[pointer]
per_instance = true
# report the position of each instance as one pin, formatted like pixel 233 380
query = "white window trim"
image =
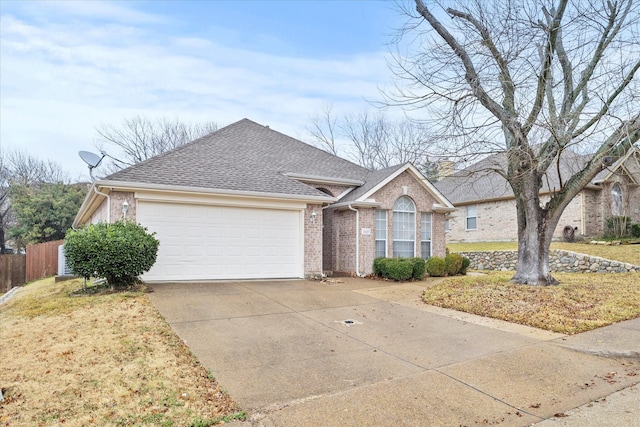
pixel 414 240
pixel 386 233
pixel 467 217
pixel 430 233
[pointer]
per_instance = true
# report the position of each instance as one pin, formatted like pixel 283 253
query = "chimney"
pixel 445 169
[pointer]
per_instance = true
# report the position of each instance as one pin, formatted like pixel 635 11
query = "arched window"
pixel 617 207
pixel 404 228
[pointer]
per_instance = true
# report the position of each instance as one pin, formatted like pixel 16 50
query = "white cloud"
pixel 63 78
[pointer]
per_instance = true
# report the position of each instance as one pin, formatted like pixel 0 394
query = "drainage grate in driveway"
pixel 348 322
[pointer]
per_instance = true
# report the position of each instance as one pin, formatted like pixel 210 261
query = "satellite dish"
pixel 91 159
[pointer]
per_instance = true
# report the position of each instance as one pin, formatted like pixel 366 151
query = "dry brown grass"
pixel 623 253
pixel 99 360
pixel 582 302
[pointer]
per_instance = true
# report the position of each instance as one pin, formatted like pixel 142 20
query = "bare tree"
pixel 139 138
pixel 534 79
pixel 372 140
pixel 324 129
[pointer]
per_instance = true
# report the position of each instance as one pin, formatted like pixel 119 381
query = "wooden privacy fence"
pixel 42 260
pixel 12 271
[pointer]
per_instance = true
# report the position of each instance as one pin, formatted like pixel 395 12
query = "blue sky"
pixel 69 67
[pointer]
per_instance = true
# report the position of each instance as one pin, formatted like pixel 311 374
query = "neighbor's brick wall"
pixel 312 241
pixel 593 213
pixel 496 221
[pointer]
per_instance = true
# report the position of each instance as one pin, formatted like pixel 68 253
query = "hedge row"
pixel 402 269
pixel 399 269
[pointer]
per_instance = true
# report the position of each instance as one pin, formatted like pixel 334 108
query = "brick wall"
pixel 497 221
pixel 313 241
pixel 117 199
pixel 340 233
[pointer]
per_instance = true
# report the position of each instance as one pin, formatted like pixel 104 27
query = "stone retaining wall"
pixel 559 260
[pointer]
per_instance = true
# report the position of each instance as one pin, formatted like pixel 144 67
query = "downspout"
pixel 108 203
pixel 357 240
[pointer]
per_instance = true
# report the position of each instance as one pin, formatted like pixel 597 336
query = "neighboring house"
pixel 248 202
pixel 486 208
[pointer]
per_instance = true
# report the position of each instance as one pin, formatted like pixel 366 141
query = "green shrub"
pixel 379 266
pixel 419 267
pixel 436 267
pixel 453 264
pixel 466 262
pixel 400 269
pixel 119 252
pixel 635 230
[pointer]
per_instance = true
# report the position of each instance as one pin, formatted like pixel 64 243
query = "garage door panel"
pixel 199 242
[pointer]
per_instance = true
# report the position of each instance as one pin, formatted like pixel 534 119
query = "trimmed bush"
pixel 635 230
pixel 419 267
pixel 400 269
pixel 120 252
pixel 466 262
pixel 453 264
pixel 436 267
pixel 379 266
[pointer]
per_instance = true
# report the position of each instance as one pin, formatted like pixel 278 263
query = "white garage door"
pixel 199 242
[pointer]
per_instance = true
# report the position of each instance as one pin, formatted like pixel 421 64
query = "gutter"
pixel 357 240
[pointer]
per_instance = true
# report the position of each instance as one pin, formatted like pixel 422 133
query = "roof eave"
pixel 137 186
pixel 324 179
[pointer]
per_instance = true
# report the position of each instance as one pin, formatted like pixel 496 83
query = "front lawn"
pixel 580 303
pixel 623 253
pixel 106 359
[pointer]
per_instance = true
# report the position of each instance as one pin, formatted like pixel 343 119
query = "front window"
pixel 617 208
pixel 471 217
pixel 425 235
pixel 404 228
pixel 381 233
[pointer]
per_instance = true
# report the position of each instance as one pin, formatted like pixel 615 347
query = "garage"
pixel 208 242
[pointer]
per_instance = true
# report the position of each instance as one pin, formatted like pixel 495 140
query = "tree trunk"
pixel 535 231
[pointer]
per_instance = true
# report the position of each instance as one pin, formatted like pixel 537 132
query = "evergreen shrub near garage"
pixel 120 252
pixel 635 230
pixel 399 269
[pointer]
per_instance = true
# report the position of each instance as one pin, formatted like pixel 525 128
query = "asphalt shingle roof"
pixel 244 156
pixel 480 181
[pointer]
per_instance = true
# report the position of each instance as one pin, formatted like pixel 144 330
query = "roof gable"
pixel 378 179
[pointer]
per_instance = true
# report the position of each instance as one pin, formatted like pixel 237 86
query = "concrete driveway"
pixel 355 352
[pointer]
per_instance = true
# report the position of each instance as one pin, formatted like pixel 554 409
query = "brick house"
pixel 486 208
pixel 247 202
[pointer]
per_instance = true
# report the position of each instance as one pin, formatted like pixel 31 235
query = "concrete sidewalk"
pixel 363 353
